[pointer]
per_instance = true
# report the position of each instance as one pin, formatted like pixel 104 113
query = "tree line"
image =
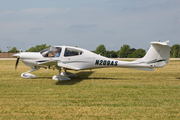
pixel 125 51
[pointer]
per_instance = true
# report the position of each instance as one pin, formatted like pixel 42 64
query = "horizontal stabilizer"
pixel 148 69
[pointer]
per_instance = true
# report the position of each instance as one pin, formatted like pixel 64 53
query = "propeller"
pixel 17 61
pixel 18 57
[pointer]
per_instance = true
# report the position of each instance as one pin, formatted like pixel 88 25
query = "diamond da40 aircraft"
pixel 73 58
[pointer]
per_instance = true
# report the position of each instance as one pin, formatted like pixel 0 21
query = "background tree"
pixel 111 54
pixel 0 50
pixel 175 51
pixel 139 53
pixel 13 50
pixel 100 50
pixel 124 51
pixel 38 48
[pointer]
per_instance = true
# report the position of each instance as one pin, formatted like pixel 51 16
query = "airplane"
pixel 73 58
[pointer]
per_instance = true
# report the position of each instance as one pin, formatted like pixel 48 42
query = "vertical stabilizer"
pixel 157 55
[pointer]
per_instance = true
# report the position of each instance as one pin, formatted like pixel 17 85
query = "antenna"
pixel 20 50
pixel 22 46
pixel 102 51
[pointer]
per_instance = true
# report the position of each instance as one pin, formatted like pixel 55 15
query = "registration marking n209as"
pixel 106 62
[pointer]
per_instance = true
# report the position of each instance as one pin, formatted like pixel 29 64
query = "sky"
pixel 87 24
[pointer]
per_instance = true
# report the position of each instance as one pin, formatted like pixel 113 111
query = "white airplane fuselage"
pixel 87 60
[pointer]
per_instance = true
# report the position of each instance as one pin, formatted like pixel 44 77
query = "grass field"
pixel 112 93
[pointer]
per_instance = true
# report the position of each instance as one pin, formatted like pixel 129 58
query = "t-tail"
pixel 157 56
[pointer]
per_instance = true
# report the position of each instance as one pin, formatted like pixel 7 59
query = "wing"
pixel 57 63
pixel 48 63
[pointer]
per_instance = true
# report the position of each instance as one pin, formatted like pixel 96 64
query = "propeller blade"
pixel 17 61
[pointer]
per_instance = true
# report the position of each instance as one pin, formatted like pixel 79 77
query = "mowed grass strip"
pixel 108 93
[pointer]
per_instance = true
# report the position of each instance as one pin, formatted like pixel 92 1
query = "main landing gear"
pixel 63 76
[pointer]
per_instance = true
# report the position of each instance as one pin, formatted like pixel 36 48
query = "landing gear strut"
pixel 63 76
pixel 28 75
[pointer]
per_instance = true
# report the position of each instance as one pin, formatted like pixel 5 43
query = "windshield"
pixel 51 52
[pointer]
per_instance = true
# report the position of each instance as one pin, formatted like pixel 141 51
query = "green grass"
pixel 109 93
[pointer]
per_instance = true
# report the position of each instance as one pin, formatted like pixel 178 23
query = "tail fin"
pixel 157 55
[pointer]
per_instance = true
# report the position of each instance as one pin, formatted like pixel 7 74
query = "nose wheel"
pixel 28 75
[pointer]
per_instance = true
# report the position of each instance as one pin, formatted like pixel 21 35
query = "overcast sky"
pixel 87 24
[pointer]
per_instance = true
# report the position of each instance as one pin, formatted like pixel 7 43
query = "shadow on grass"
pixel 74 80
pixel 84 76
pixel 44 77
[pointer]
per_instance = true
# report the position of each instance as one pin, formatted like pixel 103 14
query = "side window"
pixel 72 52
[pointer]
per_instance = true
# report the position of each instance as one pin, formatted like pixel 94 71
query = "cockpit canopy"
pixel 56 51
pixel 51 52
